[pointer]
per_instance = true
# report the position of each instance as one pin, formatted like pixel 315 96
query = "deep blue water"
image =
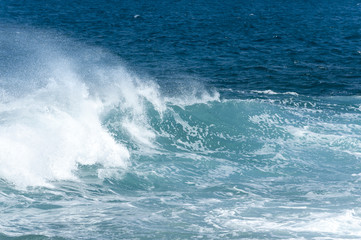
pixel 180 119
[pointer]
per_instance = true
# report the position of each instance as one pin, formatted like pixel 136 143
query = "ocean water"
pixel 180 119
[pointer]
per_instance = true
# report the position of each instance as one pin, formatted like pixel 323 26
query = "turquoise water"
pixel 180 120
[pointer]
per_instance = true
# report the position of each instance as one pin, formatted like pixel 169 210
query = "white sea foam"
pixel 338 136
pixel 46 133
pixel 51 110
pixel 270 92
pixel 318 223
pixel 52 103
pixel 193 97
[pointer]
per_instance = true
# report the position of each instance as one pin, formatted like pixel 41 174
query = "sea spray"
pixel 51 118
pixel 47 132
pixel 70 105
pixel 90 149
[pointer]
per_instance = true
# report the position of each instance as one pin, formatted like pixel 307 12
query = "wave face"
pixel 90 150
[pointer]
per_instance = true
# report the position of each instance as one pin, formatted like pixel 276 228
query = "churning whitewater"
pixel 91 150
pixel 59 111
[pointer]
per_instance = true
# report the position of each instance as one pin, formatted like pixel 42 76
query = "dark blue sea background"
pixel 180 119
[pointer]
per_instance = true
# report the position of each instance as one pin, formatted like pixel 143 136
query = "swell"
pixel 56 96
pixel 71 106
pixel 112 150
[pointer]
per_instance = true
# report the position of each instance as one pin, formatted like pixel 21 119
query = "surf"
pixel 84 137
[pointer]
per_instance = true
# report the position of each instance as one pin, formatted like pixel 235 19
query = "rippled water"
pixel 180 120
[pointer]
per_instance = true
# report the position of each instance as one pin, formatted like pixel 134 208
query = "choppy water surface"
pixel 180 120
